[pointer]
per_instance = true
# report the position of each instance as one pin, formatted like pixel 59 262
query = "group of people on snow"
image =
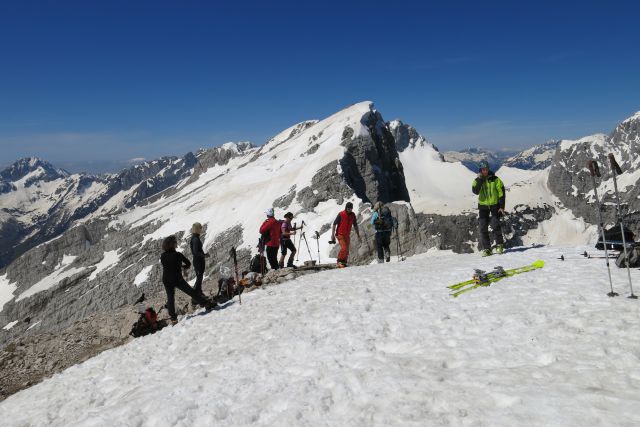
pixel 277 235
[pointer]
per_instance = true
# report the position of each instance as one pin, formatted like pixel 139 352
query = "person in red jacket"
pixel 342 231
pixel 270 233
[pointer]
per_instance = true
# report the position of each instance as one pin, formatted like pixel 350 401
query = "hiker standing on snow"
pixel 270 231
pixel 172 264
pixel 287 230
pixel 198 256
pixel 491 199
pixel 341 230
pixel 384 224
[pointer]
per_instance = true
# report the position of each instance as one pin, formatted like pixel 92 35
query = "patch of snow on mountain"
pixel 10 324
pixel 6 290
pixel 142 276
pixel 109 260
pixel 532 347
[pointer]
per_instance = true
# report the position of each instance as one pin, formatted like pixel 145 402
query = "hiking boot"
pixel 342 264
pixel 499 249
pixel 173 322
pixel 380 261
pixel 388 259
pixel 486 252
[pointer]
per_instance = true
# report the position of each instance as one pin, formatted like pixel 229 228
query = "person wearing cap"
pixel 198 256
pixel 286 231
pixel 491 202
pixel 341 230
pixel 270 233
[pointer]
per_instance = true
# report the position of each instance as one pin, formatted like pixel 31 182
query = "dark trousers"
pixel 383 240
pixel 184 287
pixel 272 256
pixel 198 267
pixel 484 213
pixel 287 244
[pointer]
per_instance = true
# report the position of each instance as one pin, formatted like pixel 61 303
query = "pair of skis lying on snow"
pixel 482 278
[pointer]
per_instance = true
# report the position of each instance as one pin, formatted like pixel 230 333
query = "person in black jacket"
pixel 172 264
pixel 198 256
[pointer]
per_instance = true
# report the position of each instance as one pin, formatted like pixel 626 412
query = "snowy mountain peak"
pixel 534 158
pixel 37 168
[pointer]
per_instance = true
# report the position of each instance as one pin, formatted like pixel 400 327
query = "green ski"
pixel 486 279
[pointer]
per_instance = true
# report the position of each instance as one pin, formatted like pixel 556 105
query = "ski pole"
pixel 595 171
pixel 299 242
pixel 318 243
pixel 615 170
pixel 397 244
pixel 307 244
pixel 237 278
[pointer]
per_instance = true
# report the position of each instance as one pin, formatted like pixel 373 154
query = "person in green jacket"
pixel 491 199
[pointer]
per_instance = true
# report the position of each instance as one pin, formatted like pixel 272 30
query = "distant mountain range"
pixel 535 158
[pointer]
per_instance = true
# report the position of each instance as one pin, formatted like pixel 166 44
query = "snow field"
pixel 376 345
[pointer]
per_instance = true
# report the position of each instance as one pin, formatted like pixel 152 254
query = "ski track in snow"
pixel 376 345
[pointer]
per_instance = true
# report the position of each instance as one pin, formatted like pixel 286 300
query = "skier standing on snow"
pixel 172 263
pixel 491 202
pixel 270 233
pixel 341 230
pixel 198 256
pixel 287 230
pixel 384 224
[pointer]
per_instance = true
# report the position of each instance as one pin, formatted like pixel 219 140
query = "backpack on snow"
pixel 613 237
pixel 384 222
pixel 258 264
pixel 634 258
pixel 147 323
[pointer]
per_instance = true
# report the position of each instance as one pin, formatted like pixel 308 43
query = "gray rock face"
pixel 570 180
pixel 370 165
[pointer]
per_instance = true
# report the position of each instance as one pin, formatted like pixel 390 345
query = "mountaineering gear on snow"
pixel 499 249
pixel 147 323
pixel 616 170
pixel 592 165
pixel 234 256
pixel 481 278
pixel 486 252
pixel 258 264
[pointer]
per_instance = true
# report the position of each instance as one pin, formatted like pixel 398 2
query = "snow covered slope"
pixel 375 345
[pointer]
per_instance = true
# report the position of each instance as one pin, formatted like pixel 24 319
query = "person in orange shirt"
pixel 341 230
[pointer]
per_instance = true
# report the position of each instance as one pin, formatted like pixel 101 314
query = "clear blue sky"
pixel 112 80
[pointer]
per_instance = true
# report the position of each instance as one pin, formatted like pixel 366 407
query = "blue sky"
pixel 106 81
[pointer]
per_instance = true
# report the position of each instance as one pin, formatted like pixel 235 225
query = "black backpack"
pixel 384 222
pixel 614 238
pixel 634 258
pixel 258 264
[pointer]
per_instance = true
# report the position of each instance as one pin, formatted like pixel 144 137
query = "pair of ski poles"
pixel 592 165
pixel 303 236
